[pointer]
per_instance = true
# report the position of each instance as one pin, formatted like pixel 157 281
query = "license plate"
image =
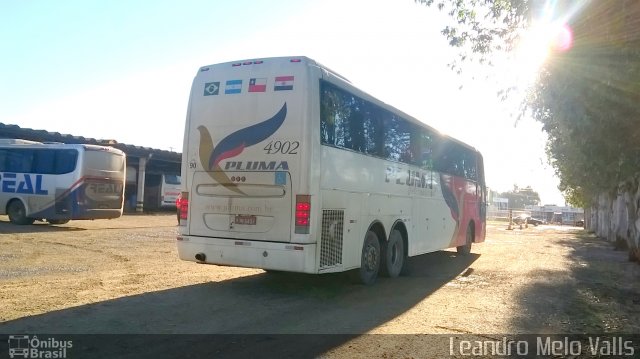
pixel 248 220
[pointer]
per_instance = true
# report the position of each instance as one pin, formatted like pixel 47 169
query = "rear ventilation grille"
pixel 331 239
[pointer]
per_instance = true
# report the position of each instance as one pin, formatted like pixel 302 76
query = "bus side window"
pixel 19 161
pixel 470 171
pixel 3 160
pixel 426 150
pixel 397 139
pixel 373 130
pixel 44 162
pixel 65 161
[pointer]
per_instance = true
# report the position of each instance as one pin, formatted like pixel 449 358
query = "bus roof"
pixel 21 143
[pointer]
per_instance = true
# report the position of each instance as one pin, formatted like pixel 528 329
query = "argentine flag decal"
pixel 233 86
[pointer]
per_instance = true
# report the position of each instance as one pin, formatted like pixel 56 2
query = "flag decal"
pixel 257 85
pixel 233 86
pixel 283 83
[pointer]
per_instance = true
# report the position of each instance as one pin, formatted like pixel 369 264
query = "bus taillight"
pixel 184 205
pixel 303 213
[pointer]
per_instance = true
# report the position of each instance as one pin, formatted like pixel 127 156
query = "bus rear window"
pixel 103 161
pixel 171 179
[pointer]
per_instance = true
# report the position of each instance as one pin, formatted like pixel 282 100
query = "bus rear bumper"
pixel 288 257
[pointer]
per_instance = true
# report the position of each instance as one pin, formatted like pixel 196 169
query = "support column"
pixel 142 166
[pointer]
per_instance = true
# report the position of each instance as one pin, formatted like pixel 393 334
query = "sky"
pixel 123 69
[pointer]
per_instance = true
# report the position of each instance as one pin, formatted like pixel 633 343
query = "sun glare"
pixel 535 46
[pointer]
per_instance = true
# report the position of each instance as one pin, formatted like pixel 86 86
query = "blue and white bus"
pixel 58 182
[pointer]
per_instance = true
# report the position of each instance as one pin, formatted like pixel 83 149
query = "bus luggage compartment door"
pixel 251 205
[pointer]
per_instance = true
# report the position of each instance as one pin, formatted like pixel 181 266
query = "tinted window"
pixel 17 160
pixel 470 165
pixel 44 161
pixel 171 179
pixel 455 159
pixel 397 139
pixel 103 160
pixel 65 161
pixel 350 122
pixel 343 123
pixel 427 142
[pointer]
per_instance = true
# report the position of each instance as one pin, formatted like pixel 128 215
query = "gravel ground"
pixel 123 276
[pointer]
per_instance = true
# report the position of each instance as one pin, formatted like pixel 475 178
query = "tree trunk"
pixel 615 216
pixel 632 198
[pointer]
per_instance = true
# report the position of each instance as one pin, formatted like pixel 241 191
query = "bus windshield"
pixel 104 161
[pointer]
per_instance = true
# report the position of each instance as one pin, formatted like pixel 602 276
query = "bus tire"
pixel 57 221
pixel 17 213
pixel 466 248
pixel 369 261
pixel 393 255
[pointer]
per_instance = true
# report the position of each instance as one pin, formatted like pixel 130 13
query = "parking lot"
pixel 123 276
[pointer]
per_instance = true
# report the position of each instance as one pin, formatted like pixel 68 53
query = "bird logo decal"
pixel 233 145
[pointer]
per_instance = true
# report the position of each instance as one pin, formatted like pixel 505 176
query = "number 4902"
pixel 284 147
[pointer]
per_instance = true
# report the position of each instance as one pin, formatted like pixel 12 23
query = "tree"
pixel 521 197
pixel 586 96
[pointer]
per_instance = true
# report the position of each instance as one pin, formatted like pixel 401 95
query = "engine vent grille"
pixel 331 239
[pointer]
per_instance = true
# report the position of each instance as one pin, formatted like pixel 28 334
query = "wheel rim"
pixel 17 211
pixel 394 253
pixel 371 258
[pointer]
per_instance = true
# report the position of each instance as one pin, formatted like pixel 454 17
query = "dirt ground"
pixel 123 276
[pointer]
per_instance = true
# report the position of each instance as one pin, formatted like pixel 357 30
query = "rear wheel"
pixel 17 213
pixel 393 255
pixel 57 221
pixel 466 248
pixel 370 260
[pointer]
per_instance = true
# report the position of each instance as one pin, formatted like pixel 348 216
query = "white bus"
pixel 60 182
pixel 289 167
pixel 169 190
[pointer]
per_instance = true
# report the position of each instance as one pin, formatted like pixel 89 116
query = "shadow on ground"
pixel 600 293
pixel 7 227
pixel 271 306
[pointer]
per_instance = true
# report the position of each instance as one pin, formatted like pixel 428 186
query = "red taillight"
pixel 303 213
pixel 184 205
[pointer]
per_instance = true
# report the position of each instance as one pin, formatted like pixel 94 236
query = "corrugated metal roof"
pixel 15 131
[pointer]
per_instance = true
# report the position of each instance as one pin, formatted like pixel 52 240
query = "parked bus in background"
pixel 59 182
pixel 287 166
pixel 169 190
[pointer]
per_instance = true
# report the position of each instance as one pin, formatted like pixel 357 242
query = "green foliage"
pixel 587 98
pixel 521 197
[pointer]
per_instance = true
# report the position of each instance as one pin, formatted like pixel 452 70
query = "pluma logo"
pixel 234 144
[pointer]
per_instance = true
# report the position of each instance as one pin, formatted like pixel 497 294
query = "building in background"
pixel 557 215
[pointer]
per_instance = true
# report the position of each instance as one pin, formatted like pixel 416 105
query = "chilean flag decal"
pixel 258 85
